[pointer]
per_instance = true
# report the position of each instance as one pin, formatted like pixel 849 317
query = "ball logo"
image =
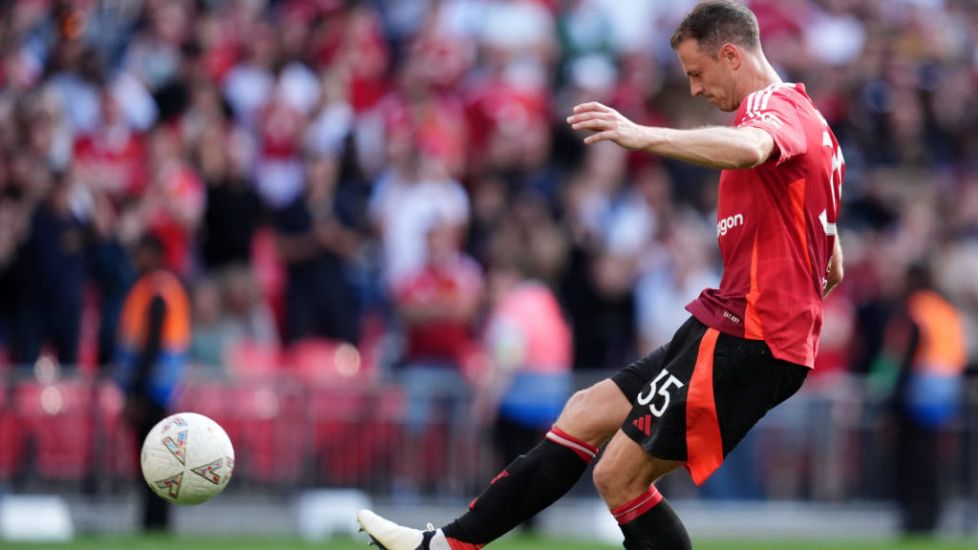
pixel 179 447
pixel 172 485
pixel 728 223
pixel 174 421
pixel 209 471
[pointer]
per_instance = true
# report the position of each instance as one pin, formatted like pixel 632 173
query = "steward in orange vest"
pixel 154 337
pixel 924 355
pixel 921 368
pixel 154 330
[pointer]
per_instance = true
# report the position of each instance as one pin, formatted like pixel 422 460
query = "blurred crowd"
pixel 384 172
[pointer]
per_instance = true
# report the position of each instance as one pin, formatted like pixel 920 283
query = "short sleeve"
pixel 774 113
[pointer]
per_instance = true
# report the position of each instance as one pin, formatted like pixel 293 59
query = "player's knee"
pixel 577 404
pixel 607 478
pixel 595 413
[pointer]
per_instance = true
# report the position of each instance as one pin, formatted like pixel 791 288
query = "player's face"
pixel 710 76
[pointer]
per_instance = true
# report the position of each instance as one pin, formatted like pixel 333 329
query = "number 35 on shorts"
pixel 655 390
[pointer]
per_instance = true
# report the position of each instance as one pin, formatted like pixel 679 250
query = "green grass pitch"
pixel 510 543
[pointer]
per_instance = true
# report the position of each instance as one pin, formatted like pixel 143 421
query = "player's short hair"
pixel 716 22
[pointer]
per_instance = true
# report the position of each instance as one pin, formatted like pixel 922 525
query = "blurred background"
pixel 388 260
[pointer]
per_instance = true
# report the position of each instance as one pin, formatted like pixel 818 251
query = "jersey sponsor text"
pixel 728 223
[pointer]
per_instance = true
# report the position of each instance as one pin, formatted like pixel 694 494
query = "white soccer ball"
pixel 187 458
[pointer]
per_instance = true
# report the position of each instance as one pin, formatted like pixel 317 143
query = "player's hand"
pixel 607 125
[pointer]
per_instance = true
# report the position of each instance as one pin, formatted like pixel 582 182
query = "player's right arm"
pixel 835 268
pixel 713 147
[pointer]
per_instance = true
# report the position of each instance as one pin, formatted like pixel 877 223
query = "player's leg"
pixel 653 442
pixel 624 479
pixel 529 484
pixel 538 478
pixel 546 472
pixel 710 391
pixel 513 438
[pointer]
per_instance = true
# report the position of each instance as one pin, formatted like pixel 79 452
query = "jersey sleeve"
pixel 772 112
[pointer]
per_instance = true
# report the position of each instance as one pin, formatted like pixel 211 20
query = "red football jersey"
pixel 776 229
pixel 443 339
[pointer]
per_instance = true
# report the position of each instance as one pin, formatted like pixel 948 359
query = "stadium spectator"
pixel 528 342
pixel 672 277
pixel 111 158
pixel 111 271
pixel 317 247
pixel 229 311
pixel 436 307
pixel 233 210
pixel 598 287
pixel 172 205
pixel 52 268
pixel 247 314
pixel 154 54
pixel 14 225
pixel 280 127
pixel 415 190
pixel 207 344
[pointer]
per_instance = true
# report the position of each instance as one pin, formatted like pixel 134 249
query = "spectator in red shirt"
pixel 112 157
pixel 437 306
pixel 173 203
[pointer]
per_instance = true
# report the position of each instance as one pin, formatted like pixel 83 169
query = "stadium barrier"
pixel 66 432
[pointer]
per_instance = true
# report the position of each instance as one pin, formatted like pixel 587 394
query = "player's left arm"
pixel 836 271
pixel 712 146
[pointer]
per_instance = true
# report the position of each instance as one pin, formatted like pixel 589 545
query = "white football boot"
pixel 388 535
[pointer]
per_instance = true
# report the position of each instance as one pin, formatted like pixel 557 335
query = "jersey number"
pixel 663 391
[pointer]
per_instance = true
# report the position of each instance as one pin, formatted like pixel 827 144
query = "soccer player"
pixel 748 345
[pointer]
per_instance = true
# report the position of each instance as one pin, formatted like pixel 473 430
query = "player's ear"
pixel 731 55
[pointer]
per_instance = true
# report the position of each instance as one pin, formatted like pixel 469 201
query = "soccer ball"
pixel 187 458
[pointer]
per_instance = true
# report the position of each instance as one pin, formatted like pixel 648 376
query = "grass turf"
pixel 510 543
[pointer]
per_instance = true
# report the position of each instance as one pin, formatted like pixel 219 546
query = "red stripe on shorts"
pixel 704 447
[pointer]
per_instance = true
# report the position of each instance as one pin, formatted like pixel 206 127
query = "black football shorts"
pixel 696 397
